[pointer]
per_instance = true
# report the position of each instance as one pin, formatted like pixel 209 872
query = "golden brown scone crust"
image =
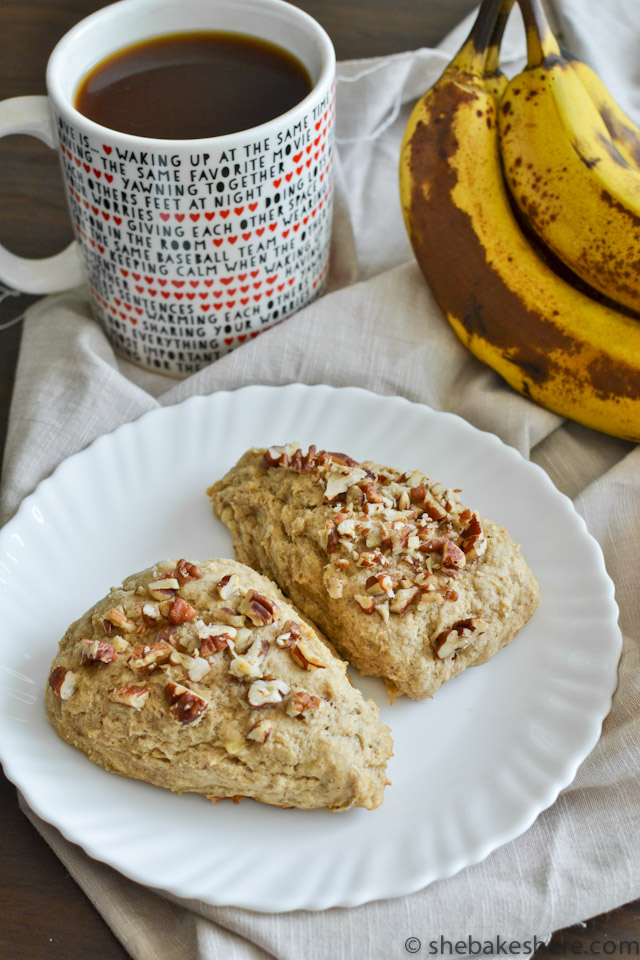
pixel 325 528
pixel 200 658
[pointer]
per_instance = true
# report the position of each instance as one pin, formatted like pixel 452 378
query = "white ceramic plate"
pixel 472 768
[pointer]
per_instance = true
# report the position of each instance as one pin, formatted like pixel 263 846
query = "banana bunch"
pixel 519 198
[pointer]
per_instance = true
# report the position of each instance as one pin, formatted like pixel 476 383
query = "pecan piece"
pixel 260 731
pixel 185 706
pixel 303 704
pixel 180 612
pixel 472 539
pixel 228 586
pixel 150 655
pixel 263 692
pixel 402 599
pixel 304 656
pixel 98 651
pixel 450 642
pixel 366 604
pixel 164 588
pixel 333 537
pixel 260 609
pixel 63 682
pixel 453 559
pixel 185 571
pixel 118 619
pixel 130 695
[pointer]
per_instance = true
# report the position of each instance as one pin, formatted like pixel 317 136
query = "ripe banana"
pixel 623 131
pixel 565 173
pixel 550 342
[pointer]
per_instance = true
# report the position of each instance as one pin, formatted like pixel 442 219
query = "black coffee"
pixel 190 85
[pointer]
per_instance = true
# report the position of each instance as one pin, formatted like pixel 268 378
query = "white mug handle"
pixel 31 115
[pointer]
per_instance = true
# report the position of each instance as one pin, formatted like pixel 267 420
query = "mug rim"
pixel 56 63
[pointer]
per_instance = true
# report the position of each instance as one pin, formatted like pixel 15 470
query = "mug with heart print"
pixel 196 145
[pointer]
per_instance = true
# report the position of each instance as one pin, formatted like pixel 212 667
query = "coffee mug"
pixel 188 247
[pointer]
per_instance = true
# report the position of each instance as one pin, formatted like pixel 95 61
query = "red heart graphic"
pixel 228 340
pixel 285 234
pixel 136 276
pixel 305 220
pixel 208 283
pixel 162 283
pixel 238 210
pixel 194 216
pixel 230 303
pixel 244 301
pixel 245 236
pixel 165 216
pixel 280 287
pixel 134 320
pixel 115 300
pixel 252 206
pixel 231 291
pixel 140 289
pixel 177 283
pixel 257 285
pixel 273 226
pixel 298 170
pixel 272 279
pixel 179 217
pixel 277 183
pixel 98 173
pixel 257 297
pixel 296 227
pixel 95 211
pixel 122 315
pixel 318 124
pixel 217 294
pixel 194 283
pixel 232 239
pixel 316 141
pixel 106 216
pixel 78 162
pixel 260 231
pixel 165 293
pixel 217 243
pixel 108 177
pixel 139 310
pixel 308 163
pixel 86 166
pixel 224 214
pixel 152 293
pixel 316 155
pixel 117 221
pixel 203 296
pixel 226 280
pixel 309 148
pixel 241 277
pixel 218 306
pixel 125 273
pixel 288 177
pixel 205 306
pixel 313 213
pixel 297 157
pixel 291 281
pixel 242 338
pixel 101 249
pixel 191 296
pixel 254 334
pixel 149 279
pixel 254 273
pixel 107 149
pixel 244 289
pixel 210 216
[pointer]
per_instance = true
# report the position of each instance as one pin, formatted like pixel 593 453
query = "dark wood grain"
pixel 43 913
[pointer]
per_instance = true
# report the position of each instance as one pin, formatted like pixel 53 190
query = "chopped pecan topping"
pixel 228 586
pixel 63 682
pixel 197 669
pixel 379 584
pixel 185 571
pixel 165 635
pixel 402 599
pixel 454 639
pixel 180 612
pixel 150 655
pixel 333 537
pixel 260 731
pixel 366 604
pixel 98 651
pixel 303 704
pixel 304 656
pixel 118 619
pixel 230 616
pixel 453 559
pixel 164 588
pixel 472 539
pixel 260 609
pixel 290 635
pixel 150 614
pixel 249 665
pixel 263 692
pixel 371 494
pixel 130 695
pixel 185 706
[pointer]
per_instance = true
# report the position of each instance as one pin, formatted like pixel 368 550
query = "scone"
pixel 409 584
pixel 203 678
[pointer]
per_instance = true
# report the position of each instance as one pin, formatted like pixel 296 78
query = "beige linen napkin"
pixel 384 333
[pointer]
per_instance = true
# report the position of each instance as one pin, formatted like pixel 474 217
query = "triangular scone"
pixel 202 677
pixel 408 583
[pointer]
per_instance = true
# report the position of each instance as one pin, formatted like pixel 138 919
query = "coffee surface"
pixel 191 85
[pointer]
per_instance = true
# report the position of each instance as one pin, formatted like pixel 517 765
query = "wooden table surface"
pixel 43 913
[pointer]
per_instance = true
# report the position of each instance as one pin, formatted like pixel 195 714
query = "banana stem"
pixel 472 56
pixel 542 46
pixel 493 53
